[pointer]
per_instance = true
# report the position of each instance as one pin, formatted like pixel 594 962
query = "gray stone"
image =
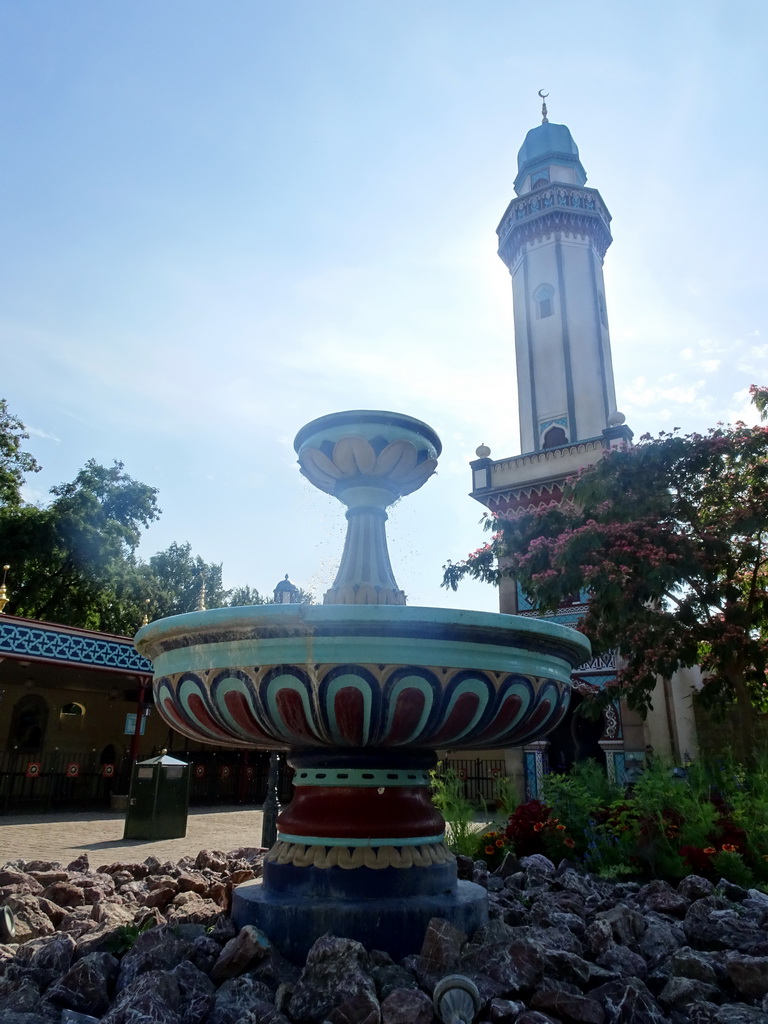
pixel 628 1002
pixel 335 972
pixel 680 992
pixel 515 966
pixel 660 939
pixel 247 947
pixel 88 984
pixel 537 864
pixel 54 953
pixel 690 963
pixel 361 1008
pixel 442 944
pixel 65 894
pixel 196 991
pixel 406 1006
pixel 694 887
pixel 624 961
pixel 627 925
pixel 30 919
pixel 235 999
pixel 711 925
pixel 504 1011
pixel 749 974
pixel 570 1008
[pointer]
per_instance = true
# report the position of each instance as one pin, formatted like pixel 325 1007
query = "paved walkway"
pixel 63 837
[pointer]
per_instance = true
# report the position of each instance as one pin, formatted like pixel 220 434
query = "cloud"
pixel 36 432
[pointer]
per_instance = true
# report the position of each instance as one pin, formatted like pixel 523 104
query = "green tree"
pixel 669 540
pixel 241 597
pixel 74 560
pixel 179 580
pixel 15 463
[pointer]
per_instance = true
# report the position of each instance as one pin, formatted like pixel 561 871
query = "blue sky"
pixel 222 219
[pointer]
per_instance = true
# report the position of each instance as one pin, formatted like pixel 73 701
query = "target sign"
pixel 73 769
pixel 249 773
pixel 199 771
pixel 226 771
pixel 33 769
pixel 108 771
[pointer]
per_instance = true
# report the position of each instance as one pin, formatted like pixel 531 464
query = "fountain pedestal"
pixel 361 853
pixel 361 691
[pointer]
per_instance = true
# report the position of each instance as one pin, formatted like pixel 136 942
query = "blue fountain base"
pixel 395 925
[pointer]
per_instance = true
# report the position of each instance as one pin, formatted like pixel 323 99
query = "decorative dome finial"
pixel 544 118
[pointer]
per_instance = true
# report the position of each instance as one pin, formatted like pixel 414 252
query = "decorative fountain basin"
pixel 361 692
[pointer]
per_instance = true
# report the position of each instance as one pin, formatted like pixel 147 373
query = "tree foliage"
pixel 74 560
pixel 669 540
pixel 15 463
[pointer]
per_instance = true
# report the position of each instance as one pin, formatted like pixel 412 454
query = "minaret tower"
pixel 553 237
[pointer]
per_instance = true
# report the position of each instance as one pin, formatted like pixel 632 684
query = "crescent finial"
pixel 544 119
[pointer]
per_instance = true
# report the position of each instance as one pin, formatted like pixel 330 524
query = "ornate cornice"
pixel 567 209
pixel 40 641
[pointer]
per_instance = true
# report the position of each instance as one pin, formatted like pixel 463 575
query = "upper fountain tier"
pixel 368 460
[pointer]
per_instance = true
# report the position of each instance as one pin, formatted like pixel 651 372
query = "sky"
pixel 223 218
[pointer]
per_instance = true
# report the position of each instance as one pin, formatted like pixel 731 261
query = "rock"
pixel 80 863
pixel 660 939
pixel 711 924
pixel 442 944
pixel 681 992
pixel 160 897
pixel 212 860
pixel 694 887
pixel 65 894
pixel 628 1002
pixel 54 953
pixel 503 1011
pixel 661 898
pixel 749 974
pixel 598 937
pixel 334 973
pixel 624 961
pixel 537 864
pixel 248 946
pixel 153 996
pixel 689 963
pixel 627 925
pixel 361 1008
pixel 573 1009
pixel 191 882
pixel 29 917
pixel 515 965
pixel 406 1006
pixel 87 986
pixel 197 990
pixel 19 882
pixel 234 1000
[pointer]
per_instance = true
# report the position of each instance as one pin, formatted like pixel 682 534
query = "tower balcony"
pixel 568 209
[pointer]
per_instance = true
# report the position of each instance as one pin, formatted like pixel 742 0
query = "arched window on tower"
pixel 544 297
pixel 555 437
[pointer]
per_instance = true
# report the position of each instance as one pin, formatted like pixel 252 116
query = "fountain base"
pixel 395 925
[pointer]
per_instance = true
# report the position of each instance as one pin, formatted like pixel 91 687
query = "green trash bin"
pixel 159 799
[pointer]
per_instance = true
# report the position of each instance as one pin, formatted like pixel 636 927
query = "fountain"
pixel 361 691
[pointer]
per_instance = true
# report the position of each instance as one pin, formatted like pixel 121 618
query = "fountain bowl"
pixel 369 676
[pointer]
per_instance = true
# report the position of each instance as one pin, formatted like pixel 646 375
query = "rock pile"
pixel 152 943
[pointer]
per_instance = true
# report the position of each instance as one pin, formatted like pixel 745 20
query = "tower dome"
pixel 548 154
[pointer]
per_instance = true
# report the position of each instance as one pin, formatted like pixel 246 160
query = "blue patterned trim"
pixel 47 643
